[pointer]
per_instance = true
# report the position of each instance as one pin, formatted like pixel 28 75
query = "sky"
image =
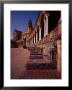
pixel 20 19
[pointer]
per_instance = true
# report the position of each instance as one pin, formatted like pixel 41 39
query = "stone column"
pixel 39 33
pixel 46 25
pixel 32 41
pixel 36 37
pixel 59 55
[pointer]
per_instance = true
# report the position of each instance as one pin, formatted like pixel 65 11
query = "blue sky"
pixel 19 19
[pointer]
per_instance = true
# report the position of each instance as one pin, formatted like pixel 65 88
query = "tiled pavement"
pixel 41 74
pixel 20 58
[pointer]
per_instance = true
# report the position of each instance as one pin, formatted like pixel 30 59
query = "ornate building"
pixel 46 35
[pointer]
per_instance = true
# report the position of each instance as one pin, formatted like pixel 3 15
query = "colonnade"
pixel 35 37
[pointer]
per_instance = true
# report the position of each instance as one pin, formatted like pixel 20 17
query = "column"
pixel 39 33
pixel 36 37
pixel 46 25
pixel 59 55
pixel 33 39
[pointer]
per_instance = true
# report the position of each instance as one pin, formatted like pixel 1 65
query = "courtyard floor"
pixel 20 57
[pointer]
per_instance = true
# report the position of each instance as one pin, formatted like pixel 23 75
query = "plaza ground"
pixel 20 57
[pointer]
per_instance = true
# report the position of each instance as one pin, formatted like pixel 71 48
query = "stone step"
pixel 35 51
pixel 36 56
pixel 41 66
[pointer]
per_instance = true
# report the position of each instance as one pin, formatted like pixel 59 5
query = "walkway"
pixel 25 67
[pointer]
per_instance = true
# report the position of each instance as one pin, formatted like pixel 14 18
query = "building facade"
pixel 45 35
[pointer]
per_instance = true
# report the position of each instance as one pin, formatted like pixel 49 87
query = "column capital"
pixel 46 16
